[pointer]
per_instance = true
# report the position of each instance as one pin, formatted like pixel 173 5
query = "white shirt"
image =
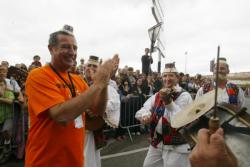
pixel 170 111
pixel 224 97
pixel 12 85
pixel 112 113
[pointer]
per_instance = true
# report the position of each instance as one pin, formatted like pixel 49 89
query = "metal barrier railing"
pixel 19 130
pixel 21 127
pixel 128 111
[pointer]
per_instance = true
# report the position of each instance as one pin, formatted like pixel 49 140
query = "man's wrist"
pixel 100 86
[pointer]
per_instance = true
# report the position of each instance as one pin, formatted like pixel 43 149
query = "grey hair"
pixel 53 41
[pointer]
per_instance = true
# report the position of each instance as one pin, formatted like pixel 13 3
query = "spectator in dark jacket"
pixel 145 88
pixel 157 83
pixel 146 63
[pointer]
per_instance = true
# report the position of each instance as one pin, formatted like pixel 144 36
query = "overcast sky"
pixel 105 27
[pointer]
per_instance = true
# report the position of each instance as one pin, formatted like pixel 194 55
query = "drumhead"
pixel 237 142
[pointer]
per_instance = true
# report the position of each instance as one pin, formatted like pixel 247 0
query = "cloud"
pixel 106 27
pixel 101 27
pixel 200 26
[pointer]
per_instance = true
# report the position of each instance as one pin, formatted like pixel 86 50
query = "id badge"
pixel 79 122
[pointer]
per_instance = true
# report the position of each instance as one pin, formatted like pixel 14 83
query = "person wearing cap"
pixel 57 102
pixel 94 133
pixel 91 68
pixel 168 147
pixel 94 138
pixel 232 96
pixel 81 67
pixel 232 93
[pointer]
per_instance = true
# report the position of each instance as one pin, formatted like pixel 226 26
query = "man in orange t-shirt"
pixel 57 101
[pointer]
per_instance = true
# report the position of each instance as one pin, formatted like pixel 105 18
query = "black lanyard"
pixel 70 86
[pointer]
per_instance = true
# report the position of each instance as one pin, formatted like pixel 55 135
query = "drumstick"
pixel 213 124
pixel 216 82
pixel 214 121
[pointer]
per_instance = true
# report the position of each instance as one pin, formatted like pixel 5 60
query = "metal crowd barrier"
pixel 19 129
pixel 128 111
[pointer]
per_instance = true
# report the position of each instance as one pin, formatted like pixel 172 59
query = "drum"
pixel 238 139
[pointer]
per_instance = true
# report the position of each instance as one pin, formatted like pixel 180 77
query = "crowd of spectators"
pixel 13 104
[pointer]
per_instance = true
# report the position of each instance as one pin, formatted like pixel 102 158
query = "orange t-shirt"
pixel 49 143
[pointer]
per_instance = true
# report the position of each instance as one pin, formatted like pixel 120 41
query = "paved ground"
pixel 117 154
pixel 126 153
pixel 122 154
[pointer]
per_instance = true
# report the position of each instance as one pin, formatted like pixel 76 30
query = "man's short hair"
pixel 53 40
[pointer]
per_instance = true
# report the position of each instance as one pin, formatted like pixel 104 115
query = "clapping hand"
pixel 105 71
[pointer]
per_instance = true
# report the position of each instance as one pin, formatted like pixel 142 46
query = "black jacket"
pixel 146 62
